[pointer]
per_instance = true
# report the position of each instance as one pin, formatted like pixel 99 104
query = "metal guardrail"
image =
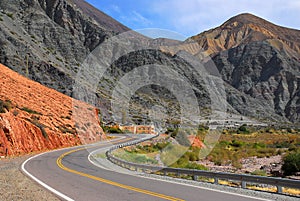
pixel 242 178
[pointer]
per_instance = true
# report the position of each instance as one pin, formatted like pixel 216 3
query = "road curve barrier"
pixel 243 179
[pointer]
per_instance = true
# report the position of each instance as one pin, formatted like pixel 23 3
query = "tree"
pixel 291 163
pixel 243 129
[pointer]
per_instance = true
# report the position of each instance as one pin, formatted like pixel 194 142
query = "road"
pixel 69 173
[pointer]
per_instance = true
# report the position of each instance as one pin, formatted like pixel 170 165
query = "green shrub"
pixel 30 111
pixel 5 106
pixel 65 129
pixel 258 145
pixel 44 133
pixel 161 145
pixel 291 163
pixel 283 144
pixel 108 129
pixel 195 166
pixel 172 132
pixel 259 173
pixel 235 143
pixel 183 162
pixel 293 147
pixel 15 113
pixel 243 129
pixel 11 15
pixel 59 59
pixel 269 130
pixel 66 117
pixel 133 157
pixel 203 128
pixel 236 163
pixel 180 163
pixel 224 143
pixel 40 126
pixel 192 156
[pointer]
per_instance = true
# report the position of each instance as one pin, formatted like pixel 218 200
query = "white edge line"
pixel 42 183
pixel 56 192
pixel 94 163
pixel 175 182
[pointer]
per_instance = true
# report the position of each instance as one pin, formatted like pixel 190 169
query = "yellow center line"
pixel 59 163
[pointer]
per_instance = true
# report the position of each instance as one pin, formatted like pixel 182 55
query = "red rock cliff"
pixel 34 118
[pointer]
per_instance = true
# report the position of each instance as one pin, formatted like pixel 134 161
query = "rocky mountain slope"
pixel 47 41
pixel 35 118
pixel 247 28
pixel 259 59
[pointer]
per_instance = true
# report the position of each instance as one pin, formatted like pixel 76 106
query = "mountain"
pixel 247 28
pixel 35 118
pixel 259 59
pixel 48 41
pixel 51 38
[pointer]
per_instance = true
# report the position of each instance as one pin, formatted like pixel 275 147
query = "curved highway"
pixel 70 175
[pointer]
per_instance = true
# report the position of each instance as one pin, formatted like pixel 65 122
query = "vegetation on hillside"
pixel 234 145
pixel 108 129
pixel 291 163
pixel 5 106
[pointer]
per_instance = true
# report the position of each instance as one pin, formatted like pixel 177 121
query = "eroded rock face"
pixel 260 60
pixel 51 38
pixel 47 40
pixel 266 74
pixel 19 136
pixel 247 28
pixel 36 118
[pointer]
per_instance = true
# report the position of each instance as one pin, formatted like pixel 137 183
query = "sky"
pixel 180 19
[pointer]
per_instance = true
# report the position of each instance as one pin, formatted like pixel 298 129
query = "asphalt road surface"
pixel 70 173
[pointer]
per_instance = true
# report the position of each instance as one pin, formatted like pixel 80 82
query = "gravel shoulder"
pixel 15 185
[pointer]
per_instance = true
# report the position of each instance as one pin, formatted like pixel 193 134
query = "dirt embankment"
pixel 34 118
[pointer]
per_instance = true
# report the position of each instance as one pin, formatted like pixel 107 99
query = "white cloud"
pixel 194 16
pixel 116 8
pixel 133 18
pixel 137 17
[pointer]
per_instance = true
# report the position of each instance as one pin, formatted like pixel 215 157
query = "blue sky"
pixel 186 18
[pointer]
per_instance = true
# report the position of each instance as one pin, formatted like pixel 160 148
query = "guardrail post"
pixel 195 177
pixel 244 184
pixel 216 180
pixel 279 189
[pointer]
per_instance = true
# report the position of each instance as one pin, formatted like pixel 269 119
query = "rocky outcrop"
pixel 264 73
pixel 19 136
pixel 35 118
pixel 261 61
pixel 51 38
pixel 48 40
pixel 247 28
